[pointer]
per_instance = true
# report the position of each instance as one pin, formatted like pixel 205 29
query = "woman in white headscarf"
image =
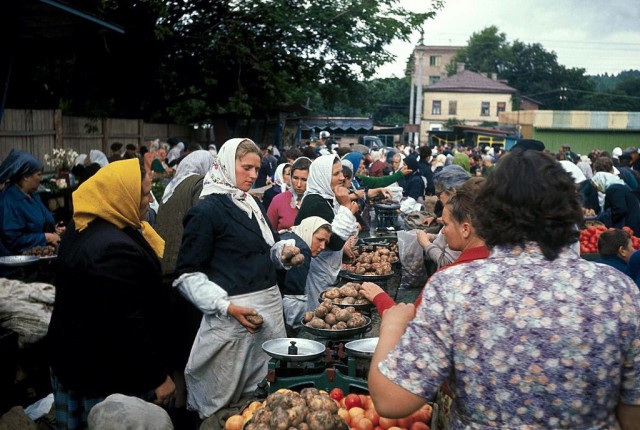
pixel 227 268
pixel 327 198
pixel 281 180
pixel 311 236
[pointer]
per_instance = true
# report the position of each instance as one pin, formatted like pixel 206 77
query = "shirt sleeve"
pixel 630 369
pixel 423 358
pixel 206 295
pixel 438 251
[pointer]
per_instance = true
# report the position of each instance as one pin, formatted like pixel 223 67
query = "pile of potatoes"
pixel 311 409
pixel 346 295
pixel 376 262
pixel 329 316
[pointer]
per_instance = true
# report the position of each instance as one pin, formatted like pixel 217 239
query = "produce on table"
pixel 42 251
pixel 328 316
pixel 348 294
pixel 255 319
pixel 314 409
pixel 376 262
pixel 589 238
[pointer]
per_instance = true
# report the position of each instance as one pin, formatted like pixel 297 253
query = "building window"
pixel 502 106
pixel 453 107
pixel 434 60
pixel 433 79
pixel 436 107
pixel 485 109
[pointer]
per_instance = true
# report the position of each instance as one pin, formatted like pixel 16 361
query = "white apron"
pixel 227 361
pixel 323 273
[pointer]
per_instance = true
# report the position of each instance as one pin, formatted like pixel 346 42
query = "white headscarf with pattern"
pixel 221 179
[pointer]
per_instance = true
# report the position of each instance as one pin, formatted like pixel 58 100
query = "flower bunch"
pixel 61 158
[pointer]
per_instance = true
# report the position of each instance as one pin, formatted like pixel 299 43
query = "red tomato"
pixel 405 422
pixel 352 401
pixel 419 425
pixel 372 415
pixel 385 423
pixel 336 394
pixel 364 400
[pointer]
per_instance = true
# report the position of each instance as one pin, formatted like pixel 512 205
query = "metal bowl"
pixel 350 276
pixel 18 260
pixel 340 334
pixel 361 348
pixel 307 349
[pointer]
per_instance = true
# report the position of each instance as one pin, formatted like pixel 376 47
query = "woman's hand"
pixel 370 290
pixel 343 196
pixel 397 317
pixel 60 228
pixel 291 256
pixel 359 194
pixel 165 392
pixel 240 314
pixel 52 238
pixel 424 238
pixel 428 220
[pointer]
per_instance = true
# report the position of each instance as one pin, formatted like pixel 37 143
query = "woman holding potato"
pixel 327 198
pixel 227 268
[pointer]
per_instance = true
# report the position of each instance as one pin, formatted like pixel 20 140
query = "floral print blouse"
pixel 525 342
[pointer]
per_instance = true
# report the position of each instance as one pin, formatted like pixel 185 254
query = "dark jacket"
pixel 293 281
pixel 412 186
pixel 624 207
pixel 221 241
pixel 108 329
pixel 315 205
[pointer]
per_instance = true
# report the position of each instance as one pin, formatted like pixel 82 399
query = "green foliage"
pixel 452 122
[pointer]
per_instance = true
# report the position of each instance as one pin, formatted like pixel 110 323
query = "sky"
pixel 601 37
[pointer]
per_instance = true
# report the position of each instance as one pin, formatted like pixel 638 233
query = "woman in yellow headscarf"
pixel 108 329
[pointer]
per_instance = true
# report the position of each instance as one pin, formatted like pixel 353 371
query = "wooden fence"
pixel 39 131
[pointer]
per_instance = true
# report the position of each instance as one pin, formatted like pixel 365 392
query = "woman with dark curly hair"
pixel 551 339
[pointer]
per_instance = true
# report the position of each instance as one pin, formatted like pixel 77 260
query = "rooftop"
pixel 467 81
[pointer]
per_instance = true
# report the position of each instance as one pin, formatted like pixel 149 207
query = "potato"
pixel 343 315
pixel 340 325
pixel 316 323
pixel 255 319
pixel 348 301
pixel 321 311
pixel 330 319
pixel 348 291
pixel 308 316
pixel 356 321
pixel 332 293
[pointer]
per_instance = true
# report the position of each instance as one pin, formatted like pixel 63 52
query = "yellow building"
pixel 466 96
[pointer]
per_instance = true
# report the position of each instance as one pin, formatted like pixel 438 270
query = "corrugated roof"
pixel 337 123
pixel 467 81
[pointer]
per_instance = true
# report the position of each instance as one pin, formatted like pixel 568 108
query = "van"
pixel 373 142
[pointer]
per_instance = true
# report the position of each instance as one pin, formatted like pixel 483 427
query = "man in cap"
pixel 117 149
pixel 635 161
pixel 324 148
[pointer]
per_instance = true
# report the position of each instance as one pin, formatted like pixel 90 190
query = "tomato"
pixel 419 425
pixel 352 401
pixel 372 415
pixel 336 394
pixel 385 423
pixel 405 422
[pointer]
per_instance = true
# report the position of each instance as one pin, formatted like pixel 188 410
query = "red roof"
pixel 467 81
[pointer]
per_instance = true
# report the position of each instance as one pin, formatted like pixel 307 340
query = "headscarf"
pixel 573 170
pixel 585 166
pixel 221 179
pixel 308 227
pixel 18 164
pixel 462 160
pixel 319 181
pixel 278 176
pixel 175 152
pixel 97 156
pixel 439 161
pixel 196 163
pixel 79 161
pixel 113 194
pixel 412 164
pixel 356 159
pixel 604 180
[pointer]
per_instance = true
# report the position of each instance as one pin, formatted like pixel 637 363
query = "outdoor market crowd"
pixel 163 301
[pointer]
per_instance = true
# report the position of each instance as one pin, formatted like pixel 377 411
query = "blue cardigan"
pixel 24 220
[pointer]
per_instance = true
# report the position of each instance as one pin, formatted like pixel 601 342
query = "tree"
pixel 529 68
pixel 191 61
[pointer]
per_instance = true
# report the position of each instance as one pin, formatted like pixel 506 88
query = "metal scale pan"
pixel 304 349
pixel 361 348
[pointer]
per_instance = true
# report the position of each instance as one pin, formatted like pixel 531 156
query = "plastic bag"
pixel 414 271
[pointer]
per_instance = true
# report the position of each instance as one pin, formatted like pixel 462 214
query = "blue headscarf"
pixel 355 158
pixel 18 164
